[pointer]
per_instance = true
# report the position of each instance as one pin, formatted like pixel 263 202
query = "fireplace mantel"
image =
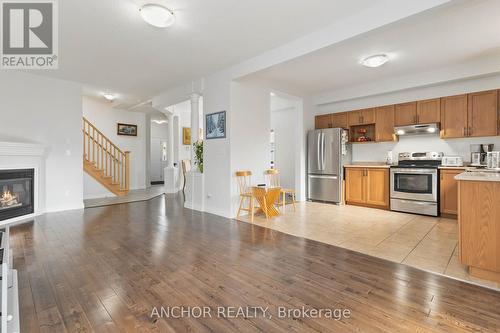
pixel 22 149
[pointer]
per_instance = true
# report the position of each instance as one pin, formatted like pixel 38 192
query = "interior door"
pixel 314 144
pixel 158 160
pixel 330 151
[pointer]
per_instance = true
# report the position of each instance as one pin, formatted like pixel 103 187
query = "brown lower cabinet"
pixel 479 228
pixel 367 187
pixel 449 191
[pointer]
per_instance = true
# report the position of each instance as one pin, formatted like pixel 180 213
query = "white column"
pixel 170 172
pixel 195 121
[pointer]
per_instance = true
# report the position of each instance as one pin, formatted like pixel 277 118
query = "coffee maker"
pixel 479 153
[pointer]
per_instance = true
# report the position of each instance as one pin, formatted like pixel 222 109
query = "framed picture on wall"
pixel 186 136
pixel 127 129
pixel 215 125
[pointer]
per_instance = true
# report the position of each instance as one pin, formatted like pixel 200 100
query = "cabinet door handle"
pixel 470 131
pixel 418 119
pixel 465 131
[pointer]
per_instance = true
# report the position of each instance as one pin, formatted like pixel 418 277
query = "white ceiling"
pixel 453 34
pixel 106 44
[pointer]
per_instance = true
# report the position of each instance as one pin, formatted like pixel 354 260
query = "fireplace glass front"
pixel 16 193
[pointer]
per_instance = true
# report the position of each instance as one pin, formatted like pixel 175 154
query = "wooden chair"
pixel 244 186
pixel 186 167
pixel 273 179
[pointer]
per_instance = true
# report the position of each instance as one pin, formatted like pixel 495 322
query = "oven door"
pixel 414 184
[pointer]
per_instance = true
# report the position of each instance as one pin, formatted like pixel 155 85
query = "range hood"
pixel 417 129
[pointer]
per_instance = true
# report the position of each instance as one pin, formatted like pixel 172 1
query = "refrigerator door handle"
pixel 323 177
pixel 322 151
pixel 318 148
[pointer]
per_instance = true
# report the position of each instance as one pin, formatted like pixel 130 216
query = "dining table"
pixel 267 196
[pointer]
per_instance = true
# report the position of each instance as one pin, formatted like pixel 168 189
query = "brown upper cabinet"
pixel 454 116
pixel 470 115
pixel 483 113
pixel 429 111
pixel 331 120
pixel 361 117
pixel 405 114
pixel 384 124
pixel 339 120
pixel 421 112
pixel 323 121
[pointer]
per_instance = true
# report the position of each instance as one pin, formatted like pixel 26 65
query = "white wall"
pixel 105 118
pixel 49 112
pixel 250 128
pixel 217 152
pixel 284 124
pixel 378 151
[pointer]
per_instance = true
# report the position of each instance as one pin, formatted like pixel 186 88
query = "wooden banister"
pixel 105 156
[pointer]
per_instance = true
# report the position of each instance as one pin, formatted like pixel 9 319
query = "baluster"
pixel 102 152
pixel 123 173
pixel 88 142
pixel 93 145
pixel 107 157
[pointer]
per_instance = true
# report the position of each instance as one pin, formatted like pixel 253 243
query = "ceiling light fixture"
pixel 157 15
pixel 375 60
pixel 109 97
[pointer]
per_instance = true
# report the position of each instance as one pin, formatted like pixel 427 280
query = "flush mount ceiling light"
pixel 108 96
pixel 375 60
pixel 157 15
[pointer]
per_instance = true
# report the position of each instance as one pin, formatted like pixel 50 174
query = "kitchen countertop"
pixel 367 165
pixel 453 167
pixel 484 176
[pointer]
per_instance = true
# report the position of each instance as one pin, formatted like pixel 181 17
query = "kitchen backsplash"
pixel 377 152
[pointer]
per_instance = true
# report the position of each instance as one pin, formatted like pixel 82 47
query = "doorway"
pixel 286 140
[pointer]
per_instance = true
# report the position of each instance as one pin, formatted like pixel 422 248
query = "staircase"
pixel 104 161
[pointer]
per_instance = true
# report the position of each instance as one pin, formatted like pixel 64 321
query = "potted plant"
pixel 198 152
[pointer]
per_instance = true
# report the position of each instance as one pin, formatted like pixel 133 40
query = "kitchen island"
pixel 479 223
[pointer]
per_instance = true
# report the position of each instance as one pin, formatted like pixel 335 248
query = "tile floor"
pixel 423 242
pixel 133 196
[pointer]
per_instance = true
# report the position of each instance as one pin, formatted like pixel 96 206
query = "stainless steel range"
pixel 414 183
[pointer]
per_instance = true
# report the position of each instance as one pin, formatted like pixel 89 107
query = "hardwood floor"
pixel 105 269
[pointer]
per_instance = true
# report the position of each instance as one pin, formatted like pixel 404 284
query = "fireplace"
pixel 16 193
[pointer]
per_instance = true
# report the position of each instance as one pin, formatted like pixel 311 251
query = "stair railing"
pixel 104 155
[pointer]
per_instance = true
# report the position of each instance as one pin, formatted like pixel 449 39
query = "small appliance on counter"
pixel 493 160
pixel 389 159
pixel 479 154
pixel 452 161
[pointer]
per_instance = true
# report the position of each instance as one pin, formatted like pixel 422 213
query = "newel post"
pixel 127 170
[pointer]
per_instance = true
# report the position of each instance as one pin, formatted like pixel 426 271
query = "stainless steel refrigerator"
pixel 328 151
